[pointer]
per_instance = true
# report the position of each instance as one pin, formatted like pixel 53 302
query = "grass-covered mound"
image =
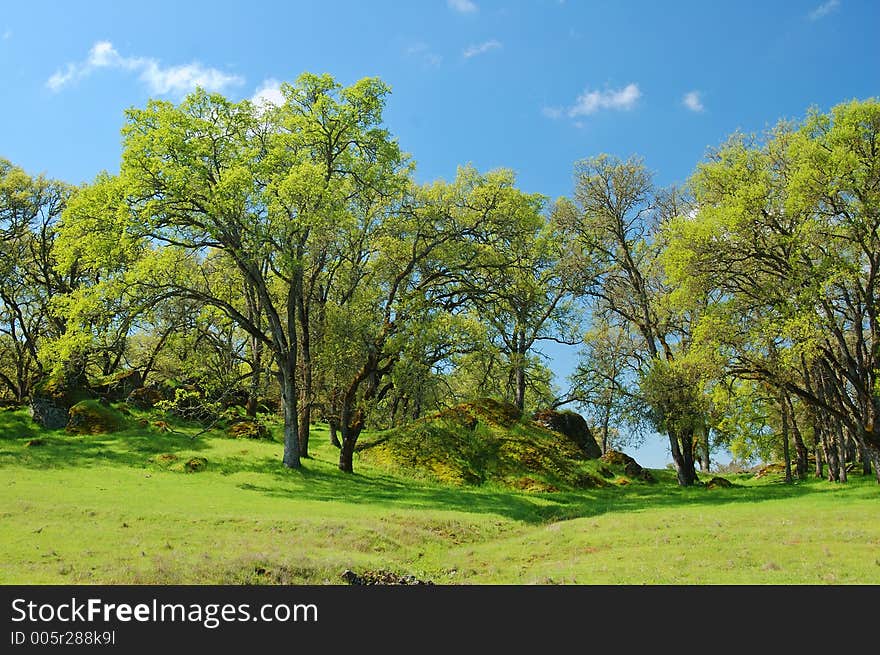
pixel 484 441
pixel 94 417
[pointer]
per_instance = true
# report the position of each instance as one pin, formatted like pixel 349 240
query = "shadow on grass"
pixel 320 481
pixel 53 449
pixel 389 492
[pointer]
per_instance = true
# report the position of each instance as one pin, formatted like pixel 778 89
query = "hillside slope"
pixel 487 441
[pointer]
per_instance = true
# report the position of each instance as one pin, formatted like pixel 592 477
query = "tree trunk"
pixel 393 412
pixel 606 419
pixel 15 389
pixel 830 449
pixel 346 455
pixel 802 461
pixel 865 459
pixel 701 444
pixel 817 450
pixel 786 454
pixel 841 454
pixel 350 434
pixel 351 423
pixel 520 399
pixel 305 351
pixel 875 460
pixel 870 440
pixel 256 377
pixel 852 447
pixel 304 427
pixel 288 402
pixel 405 409
pixel 683 457
pixel 334 438
pixel 154 354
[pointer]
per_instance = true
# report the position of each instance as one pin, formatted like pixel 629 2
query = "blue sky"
pixel 533 85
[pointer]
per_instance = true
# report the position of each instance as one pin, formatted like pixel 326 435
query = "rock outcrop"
pixel 573 426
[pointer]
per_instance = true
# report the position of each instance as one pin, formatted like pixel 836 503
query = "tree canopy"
pixel 284 259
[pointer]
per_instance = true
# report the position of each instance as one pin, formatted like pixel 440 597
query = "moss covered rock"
pixel 118 386
pixel 144 397
pixel 93 417
pixel 248 429
pixel 631 468
pixel 719 483
pixel 195 464
pixel 52 399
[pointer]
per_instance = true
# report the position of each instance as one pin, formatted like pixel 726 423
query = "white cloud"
pixel 693 101
pixel 462 6
pixel 589 102
pixel 481 48
pixel 423 51
pixel 60 78
pixel 181 79
pixel 104 55
pixel 824 9
pixel 7 34
pixel 268 93
pixel 160 80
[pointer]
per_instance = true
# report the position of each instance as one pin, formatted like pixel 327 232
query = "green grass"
pixel 109 508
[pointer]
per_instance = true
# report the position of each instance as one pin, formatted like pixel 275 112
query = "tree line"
pixel 286 257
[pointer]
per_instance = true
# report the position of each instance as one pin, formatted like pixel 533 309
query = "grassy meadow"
pixel 148 506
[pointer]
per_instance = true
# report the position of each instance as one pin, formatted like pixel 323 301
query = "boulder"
pixel 248 429
pixel 92 417
pixel 719 483
pixel 52 399
pixel 195 465
pixel 48 413
pixel 120 385
pixel 144 397
pixel 573 426
pixel 631 467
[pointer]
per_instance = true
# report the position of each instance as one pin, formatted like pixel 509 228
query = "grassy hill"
pixel 154 504
pixel 486 441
